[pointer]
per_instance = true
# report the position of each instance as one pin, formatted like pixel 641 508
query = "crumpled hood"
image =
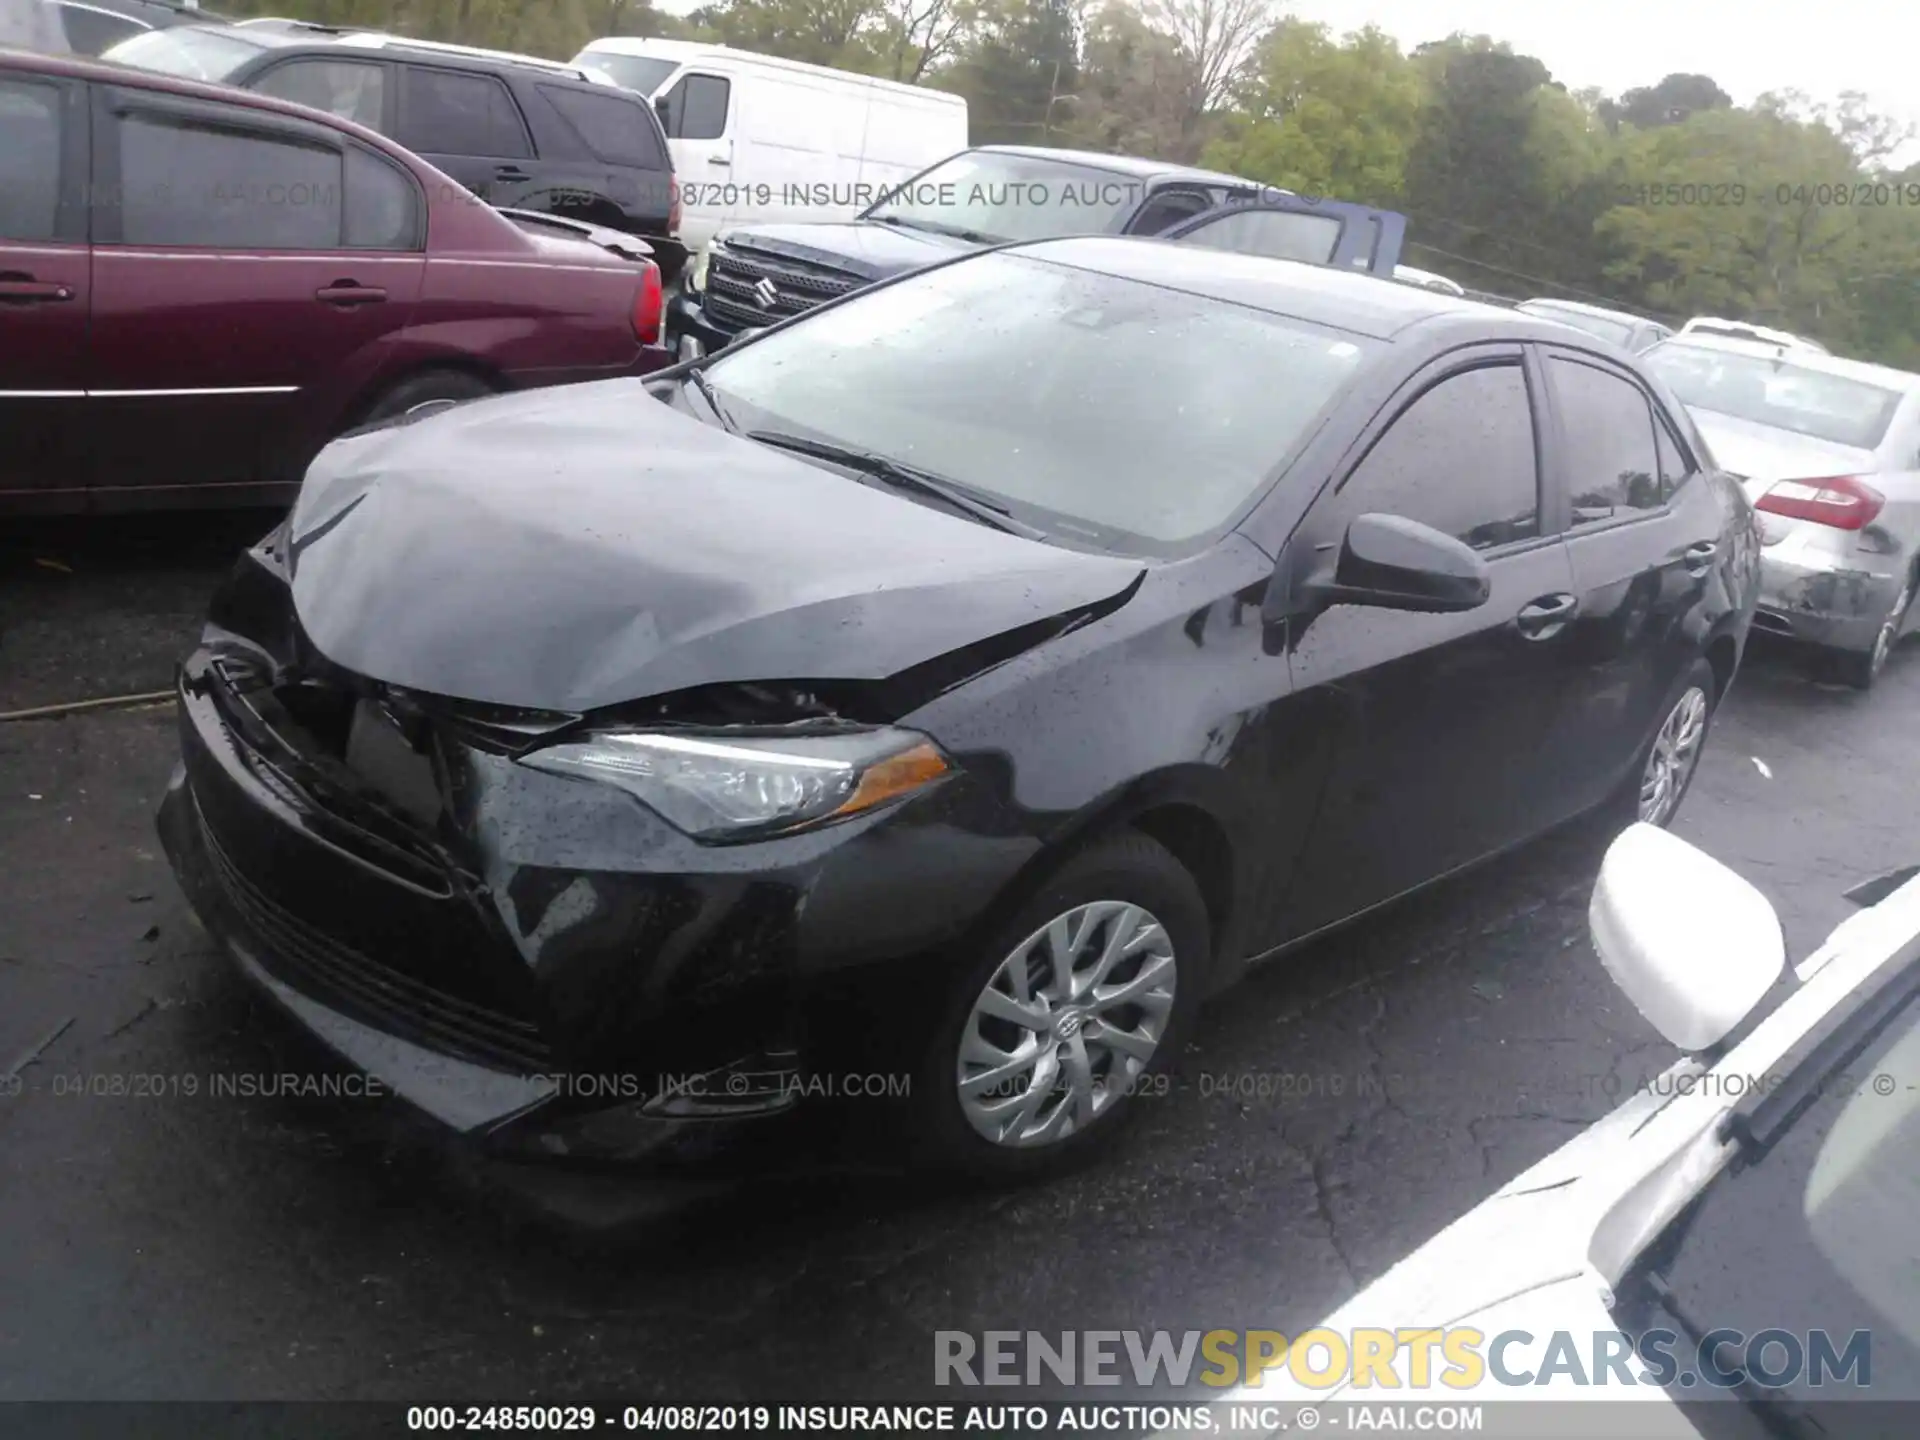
pixel 580 546
pixel 873 251
pixel 1760 455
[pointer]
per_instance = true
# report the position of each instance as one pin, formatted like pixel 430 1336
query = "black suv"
pixel 521 133
pixel 757 275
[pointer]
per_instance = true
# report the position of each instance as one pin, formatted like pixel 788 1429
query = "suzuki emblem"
pixel 766 294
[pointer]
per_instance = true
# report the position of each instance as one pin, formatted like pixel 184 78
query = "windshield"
pixel 187 52
pixel 1775 392
pixel 1820 1228
pixel 642 73
pixel 994 197
pixel 1597 325
pixel 1090 406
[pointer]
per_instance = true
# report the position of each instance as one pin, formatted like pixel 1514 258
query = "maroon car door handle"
pixel 345 292
pixel 17 290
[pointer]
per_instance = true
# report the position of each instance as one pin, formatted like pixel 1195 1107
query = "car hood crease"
pixel 579 547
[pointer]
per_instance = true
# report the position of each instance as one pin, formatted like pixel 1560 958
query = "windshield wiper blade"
pixel 900 477
pixel 934 227
pixel 698 379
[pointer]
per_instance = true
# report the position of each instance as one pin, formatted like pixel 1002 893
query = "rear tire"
pixel 1664 769
pixel 1861 669
pixel 426 388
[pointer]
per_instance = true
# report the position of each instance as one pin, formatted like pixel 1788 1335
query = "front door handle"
pixel 1699 558
pixel 510 172
pixel 25 290
pixel 723 161
pixel 345 292
pixel 1546 617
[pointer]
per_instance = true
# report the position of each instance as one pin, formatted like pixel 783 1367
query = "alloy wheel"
pixel 1069 1020
pixel 1676 750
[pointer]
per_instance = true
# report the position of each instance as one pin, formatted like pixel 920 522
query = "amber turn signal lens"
pixel 893 777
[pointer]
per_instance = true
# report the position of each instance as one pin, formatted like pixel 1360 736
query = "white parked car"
pixel 756 138
pixel 1632 333
pixel 1829 452
pixel 1743 330
pixel 1767 1185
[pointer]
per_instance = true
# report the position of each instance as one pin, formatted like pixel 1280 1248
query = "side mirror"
pixel 664 110
pixel 1394 563
pixel 1691 944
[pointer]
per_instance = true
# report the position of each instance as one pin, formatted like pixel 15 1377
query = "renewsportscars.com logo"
pixel 1457 1357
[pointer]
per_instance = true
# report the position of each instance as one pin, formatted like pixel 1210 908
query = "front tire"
pixel 1072 1003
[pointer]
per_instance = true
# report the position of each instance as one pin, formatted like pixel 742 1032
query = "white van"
pixel 756 138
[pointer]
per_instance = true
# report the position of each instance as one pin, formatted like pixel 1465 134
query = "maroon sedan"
pixel 200 287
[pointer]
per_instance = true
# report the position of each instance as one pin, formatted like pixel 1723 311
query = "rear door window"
pixel 451 112
pixel 189 181
pixel 1613 467
pixel 29 160
pixel 618 130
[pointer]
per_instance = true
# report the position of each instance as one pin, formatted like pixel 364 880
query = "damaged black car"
pixel 955 684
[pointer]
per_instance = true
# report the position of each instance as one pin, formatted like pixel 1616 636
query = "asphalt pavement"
pixel 161 1240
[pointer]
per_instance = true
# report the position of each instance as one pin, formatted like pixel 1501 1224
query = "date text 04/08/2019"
pixel 1794 195
pixel 1107 1419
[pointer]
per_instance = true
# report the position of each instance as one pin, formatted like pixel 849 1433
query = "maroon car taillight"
pixel 1837 500
pixel 648 306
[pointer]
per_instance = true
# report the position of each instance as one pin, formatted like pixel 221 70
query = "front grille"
pixel 360 985
pixel 799 286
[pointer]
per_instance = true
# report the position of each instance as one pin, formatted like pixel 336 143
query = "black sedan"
pixel 946 689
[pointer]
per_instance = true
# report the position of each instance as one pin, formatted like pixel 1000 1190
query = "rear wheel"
pixel 1070 1008
pixel 429 387
pixel 1659 781
pixel 1861 668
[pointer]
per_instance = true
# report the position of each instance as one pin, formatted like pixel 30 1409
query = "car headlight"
pixel 729 788
pixel 698 279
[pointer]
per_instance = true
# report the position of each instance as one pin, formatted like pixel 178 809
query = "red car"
pixel 200 287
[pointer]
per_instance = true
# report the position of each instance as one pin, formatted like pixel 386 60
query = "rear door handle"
pixel 33 292
pixel 345 292
pixel 1698 558
pixel 510 172
pixel 1546 617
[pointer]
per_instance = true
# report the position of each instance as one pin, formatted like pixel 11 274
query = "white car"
pixel 1743 330
pixel 1828 450
pixel 1767 1185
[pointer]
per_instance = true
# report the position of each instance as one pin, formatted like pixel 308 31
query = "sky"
pixel 1749 46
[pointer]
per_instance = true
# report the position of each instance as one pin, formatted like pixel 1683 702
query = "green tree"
pixel 1019 71
pixel 1323 116
pixel 1135 89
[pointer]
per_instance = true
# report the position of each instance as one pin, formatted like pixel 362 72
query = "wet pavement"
pixel 161 1241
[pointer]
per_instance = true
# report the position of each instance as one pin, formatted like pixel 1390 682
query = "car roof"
pixel 1579 307
pixel 1351 300
pixel 1864 371
pixel 1133 165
